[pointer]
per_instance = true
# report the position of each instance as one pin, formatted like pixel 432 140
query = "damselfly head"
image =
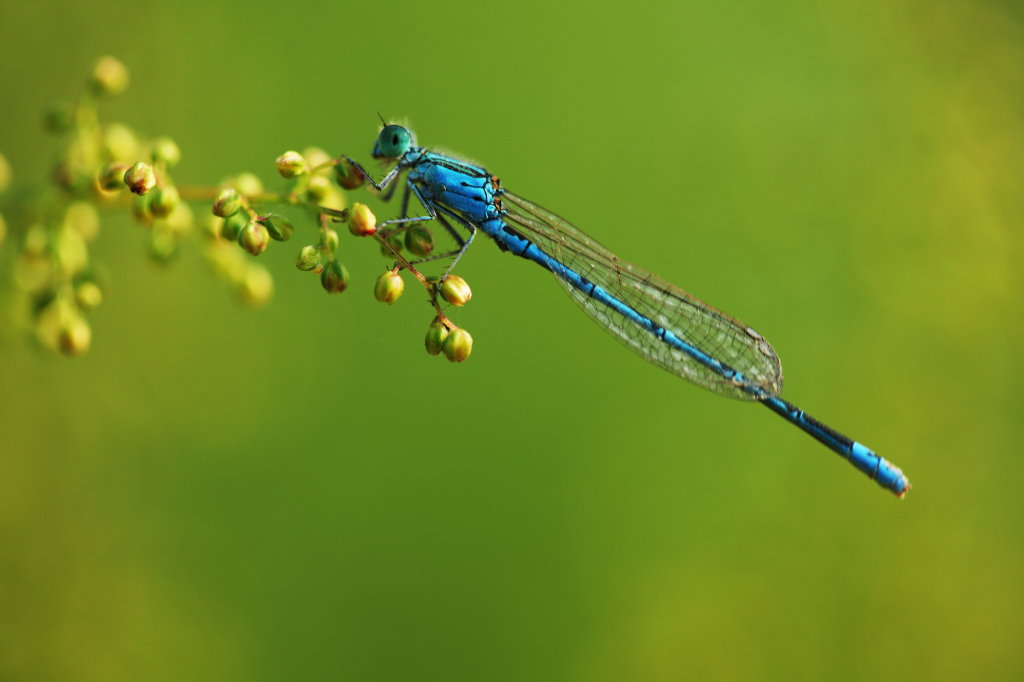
pixel 393 142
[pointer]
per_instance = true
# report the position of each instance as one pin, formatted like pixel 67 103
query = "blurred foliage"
pixel 214 493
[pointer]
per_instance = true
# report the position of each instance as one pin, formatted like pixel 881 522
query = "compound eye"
pixel 393 141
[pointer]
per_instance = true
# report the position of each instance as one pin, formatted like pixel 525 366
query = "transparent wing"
pixel 709 330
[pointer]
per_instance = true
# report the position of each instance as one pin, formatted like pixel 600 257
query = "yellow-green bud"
pixel 457 345
pixel 247 184
pixel 120 143
pixel 256 286
pixel 109 76
pixel 361 221
pixel 315 156
pixel 140 178
pixel 59 117
pixel 3 230
pixel 140 209
pixel 333 197
pixel 419 241
pixel 334 278
pixel 88 295
pixel 389 287
pixel 165 200
pixel 395 242
pixel 72 255
pixel 307 258
pixel 291 164
pixel 83 218
pixel 5 173
pixel 329 240
pixel 456 291
pixel 74 336
pixel 65 176
pixel 280 230
pixel 111 176
pixel 212 226
pixel 254 238
pixel 227 203
pixel 166 151
pixel 347 176
pixel 163 246
pixel 436 334
pixel 226 260
pixel 233 225
pixel 181 220
pixel 36 241
pixel 318 188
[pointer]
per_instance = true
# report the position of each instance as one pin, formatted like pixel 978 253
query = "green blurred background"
pixel 300 493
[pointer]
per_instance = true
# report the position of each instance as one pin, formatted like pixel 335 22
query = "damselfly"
pixel 660 322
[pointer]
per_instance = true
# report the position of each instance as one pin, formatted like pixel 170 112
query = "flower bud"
pixel 227 203
pixel 419 241
pixel 254 238
pixel 226 260
pixel 120 143
pixel 332 198
pixel 5 173
pixel 395 242
pixel 88 295
pixel 59 117
pixel 280 230
pixel 247 184
pixel 181 220
pixel 389 287
pixel 457 345
pixel 291 164
pixel 212 226
pixel 82 217
pixel 256 285
pixel 315 156
pixel 456 291
pixel 140 209
pixel 346 175
pixel 307 258
pixel 361 221
pixel 334 278
pixel 233 225
pixel 140 178
pixel 318 188
pixel 166 151
pixel 436 334
pixel 163 246
pixel 165 200
pixel 111 176
pixel 65 176
pixel 109 76
pixel 69 250
pixel 329 240
pixel 75 335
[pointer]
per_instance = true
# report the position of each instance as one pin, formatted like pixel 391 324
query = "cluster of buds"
pixel 52 265
pixel 321 258
pixel 455 343
pixel 157 204
pixel 107 164
pixel 310 173
pixel 233 229
pixel 54 269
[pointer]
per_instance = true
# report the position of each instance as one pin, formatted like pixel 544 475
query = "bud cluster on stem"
pixel 105 165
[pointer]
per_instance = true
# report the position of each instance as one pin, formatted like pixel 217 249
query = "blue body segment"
pixel 658 321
